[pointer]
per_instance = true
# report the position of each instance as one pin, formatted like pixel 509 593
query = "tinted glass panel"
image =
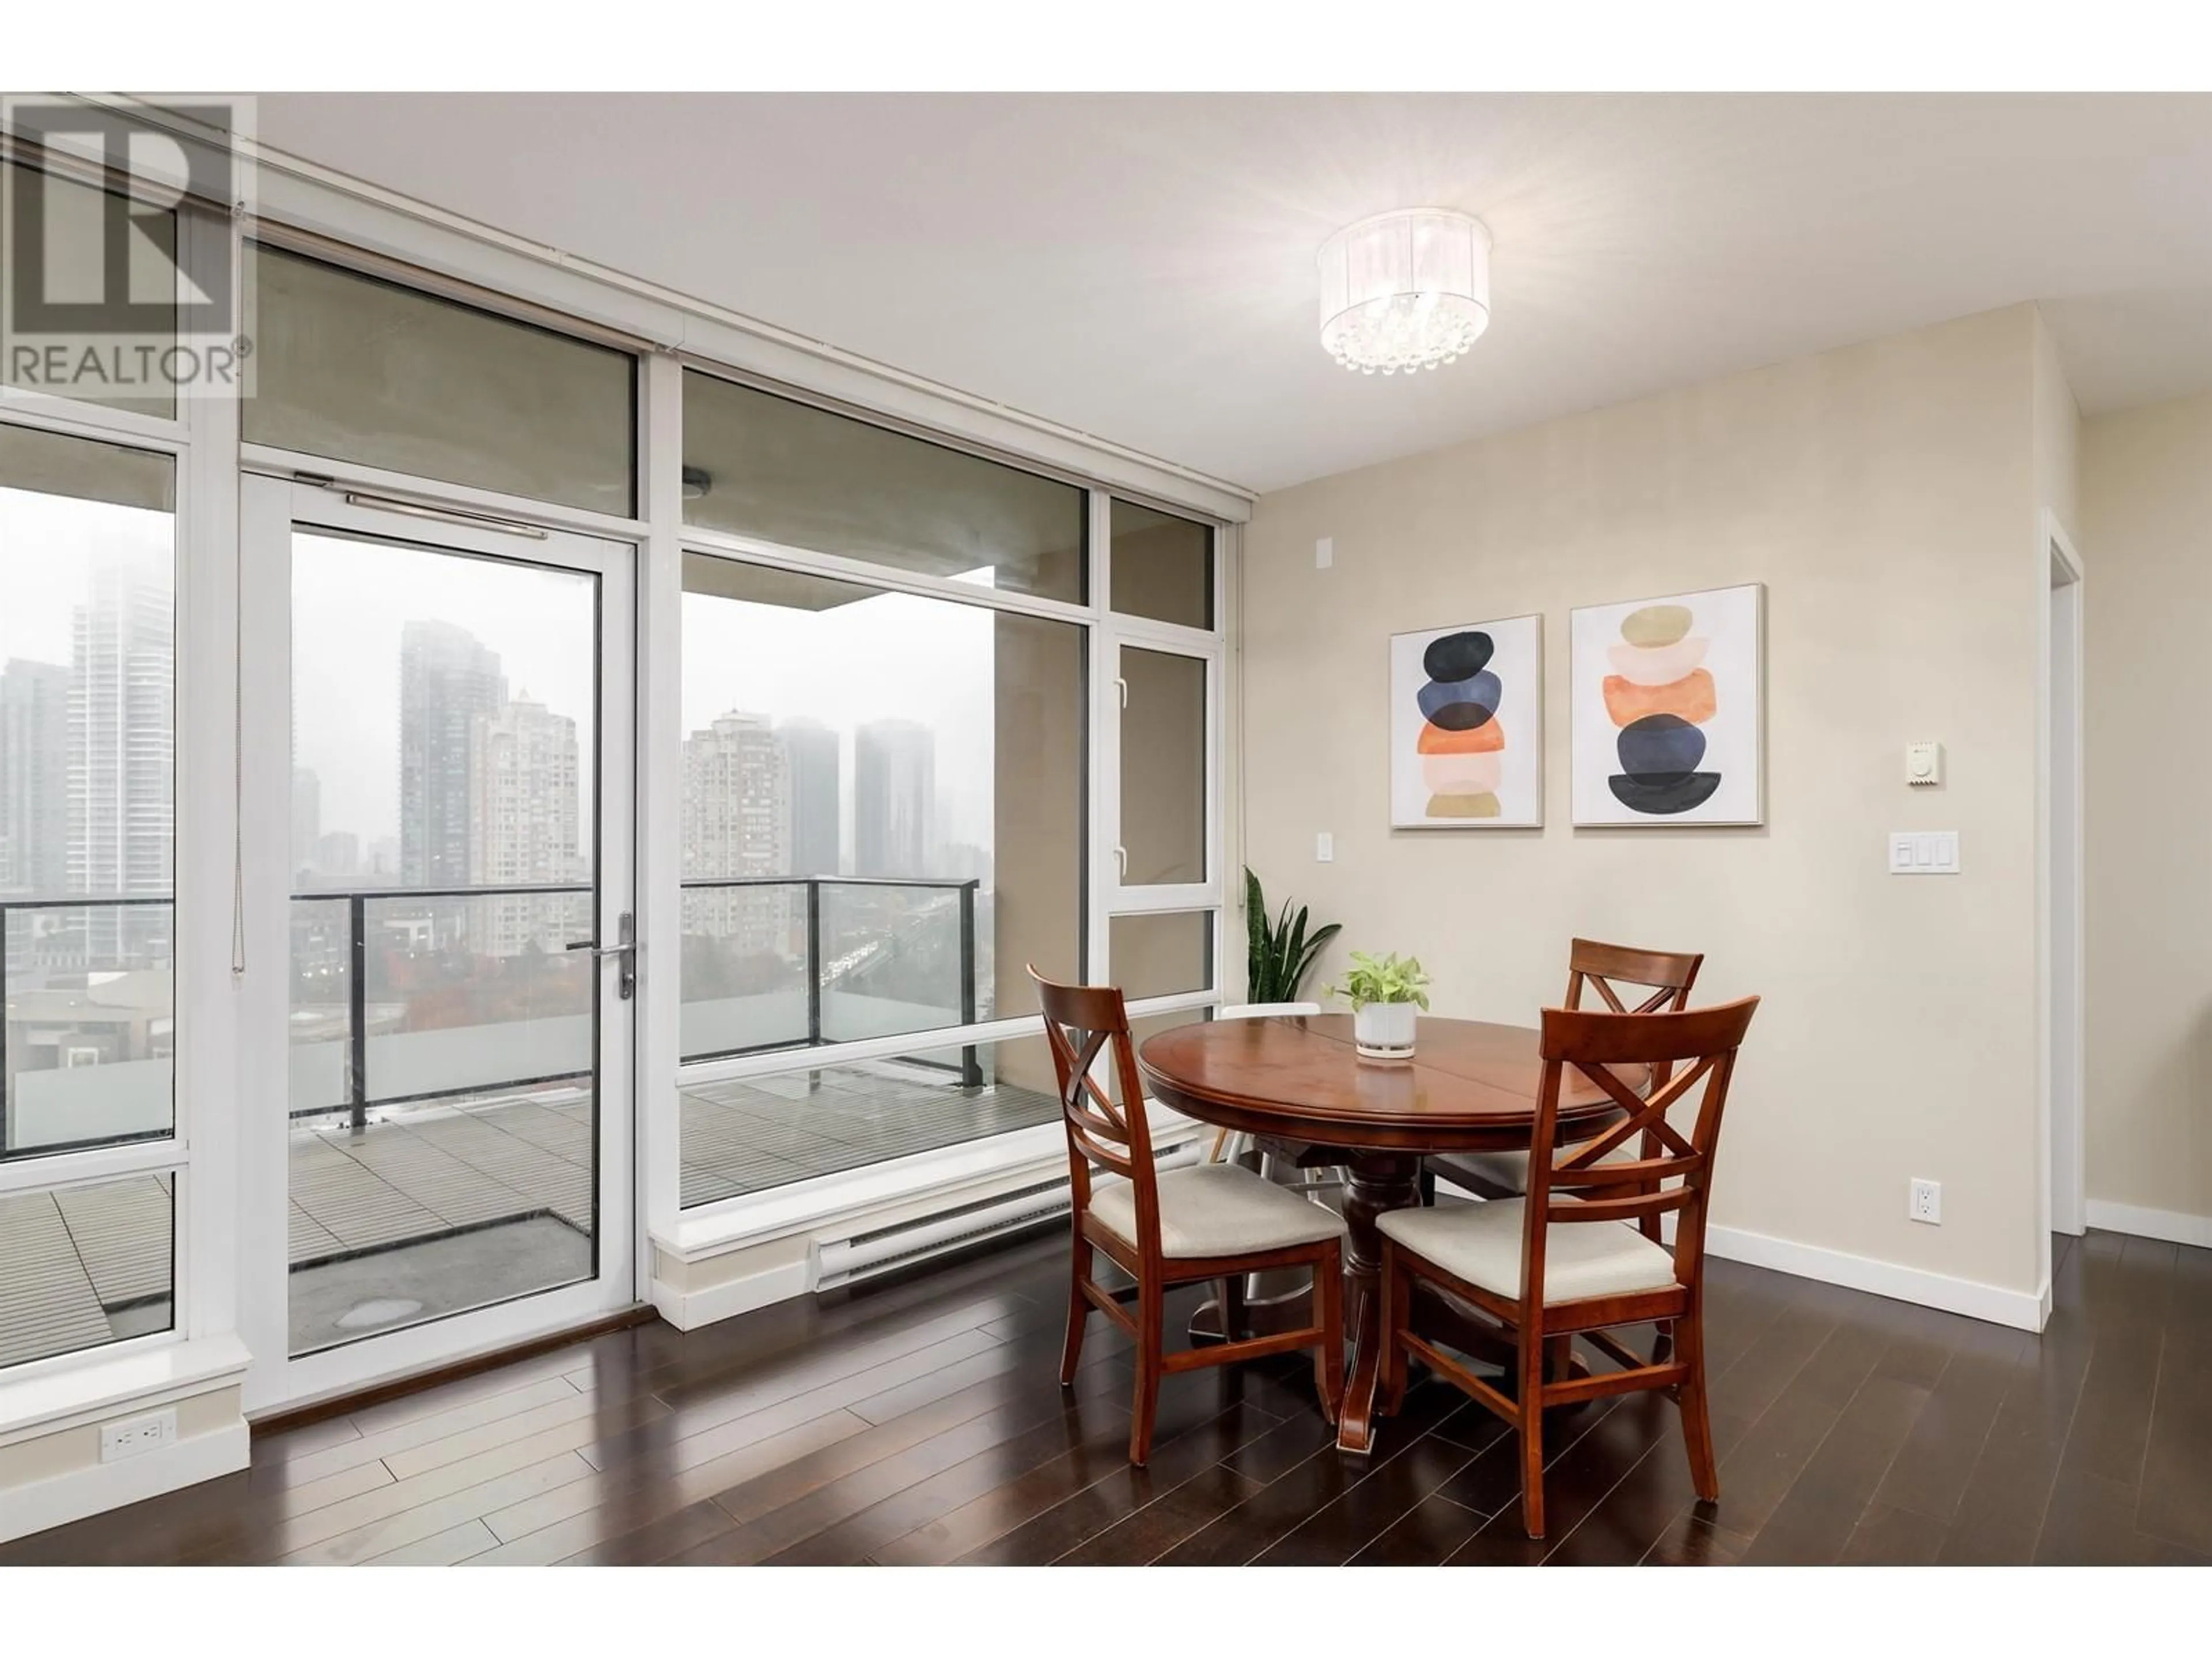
pixel 1162 566
pixel 1163 768
pixel 88 688
pixel 85 1265
pixel 367 371
pixel 122 371
pixel 1159 956
pixel 883 802
pixel 756 464
pixel 746 1136
pixel 444 1109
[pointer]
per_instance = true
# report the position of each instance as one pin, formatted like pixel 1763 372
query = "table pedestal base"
pixel 1380 1183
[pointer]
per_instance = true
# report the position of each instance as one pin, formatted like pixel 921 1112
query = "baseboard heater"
pixel 887 1250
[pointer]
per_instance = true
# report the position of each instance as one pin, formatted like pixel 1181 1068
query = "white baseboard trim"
pixel 63 1497
pixel 689 1309
pixel 2172 1226
pixel 2025 1310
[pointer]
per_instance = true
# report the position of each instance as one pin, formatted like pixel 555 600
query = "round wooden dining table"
pixel 1300 1085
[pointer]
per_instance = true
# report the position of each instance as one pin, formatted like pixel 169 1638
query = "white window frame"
pixel 199 439
pixel 279 1378
pixel 1112 895
pixel 1105 895
pixel 315 210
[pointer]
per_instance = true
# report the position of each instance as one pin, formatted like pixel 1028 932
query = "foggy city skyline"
pixel 884 658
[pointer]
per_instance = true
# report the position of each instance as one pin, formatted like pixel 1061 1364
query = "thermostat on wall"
pixel 1924 764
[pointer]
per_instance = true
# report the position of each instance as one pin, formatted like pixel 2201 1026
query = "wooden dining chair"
pixel 1563 1260
pixel 1663 977
pixel 1164 1228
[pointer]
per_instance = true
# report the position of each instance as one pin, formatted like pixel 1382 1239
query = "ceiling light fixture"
pixel 1405 290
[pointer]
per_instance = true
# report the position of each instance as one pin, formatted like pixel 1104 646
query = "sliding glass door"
pixel 457 1132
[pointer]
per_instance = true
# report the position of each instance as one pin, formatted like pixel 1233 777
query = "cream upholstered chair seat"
pixel 1481 1245
pixel 1217 1209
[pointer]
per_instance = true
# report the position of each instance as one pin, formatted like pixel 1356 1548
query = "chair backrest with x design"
pixel 1674 1172
pixel 1106 1125
pixel 1666 975
pixel 1617 972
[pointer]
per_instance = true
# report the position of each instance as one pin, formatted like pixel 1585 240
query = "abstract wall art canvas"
pixel 1467 726
pixel 1668 700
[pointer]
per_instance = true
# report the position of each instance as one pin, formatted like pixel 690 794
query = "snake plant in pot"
pixel 1280 955
pixel 1384 992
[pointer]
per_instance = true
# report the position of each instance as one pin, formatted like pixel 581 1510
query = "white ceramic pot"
pixel 1384 1031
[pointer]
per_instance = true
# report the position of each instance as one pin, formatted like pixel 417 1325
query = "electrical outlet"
pixel 1324 848
pixel 1927 1202
pixel 135 1436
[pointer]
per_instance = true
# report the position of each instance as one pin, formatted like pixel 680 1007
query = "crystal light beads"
pixel 1405 291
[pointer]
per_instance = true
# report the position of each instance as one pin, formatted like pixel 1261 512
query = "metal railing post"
pixel 971 1070
pixel 813 961
pixel 357 1011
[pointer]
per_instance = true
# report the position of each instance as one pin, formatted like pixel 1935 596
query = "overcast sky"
pixel 48 544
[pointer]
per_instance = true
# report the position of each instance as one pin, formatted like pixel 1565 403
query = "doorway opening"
pixel 450 1171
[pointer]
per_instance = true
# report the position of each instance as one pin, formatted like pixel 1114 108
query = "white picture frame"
pixel 1668 710
pixel 1479 763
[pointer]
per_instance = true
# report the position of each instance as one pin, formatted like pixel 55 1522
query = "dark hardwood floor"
pixel 921 1422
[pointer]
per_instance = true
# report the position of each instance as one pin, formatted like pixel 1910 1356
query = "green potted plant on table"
pixel 1387 994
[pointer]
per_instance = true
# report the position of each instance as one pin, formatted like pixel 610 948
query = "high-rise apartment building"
pixel 33 779
pixel 737 822
pixel 524 793
pixel 448 679
pixel 894 796
pixel 119 734
pixel 810 764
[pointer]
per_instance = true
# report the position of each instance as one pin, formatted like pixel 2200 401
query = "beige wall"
pixel 2057 434
pixel 2146 542
pixel 1887 496
pixel 70 1451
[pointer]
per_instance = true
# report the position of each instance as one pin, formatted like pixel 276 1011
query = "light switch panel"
pixel 1923 851
pixel 1324 552
pixel 1324 848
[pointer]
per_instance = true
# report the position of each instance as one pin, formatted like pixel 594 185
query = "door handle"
pixel 625 949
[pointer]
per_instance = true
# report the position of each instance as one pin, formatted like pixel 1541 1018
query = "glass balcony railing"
pixel 789 961
pixel 87 1024
pixel 407 994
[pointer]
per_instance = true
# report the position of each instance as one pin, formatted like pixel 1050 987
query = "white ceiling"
pixel 1141 266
